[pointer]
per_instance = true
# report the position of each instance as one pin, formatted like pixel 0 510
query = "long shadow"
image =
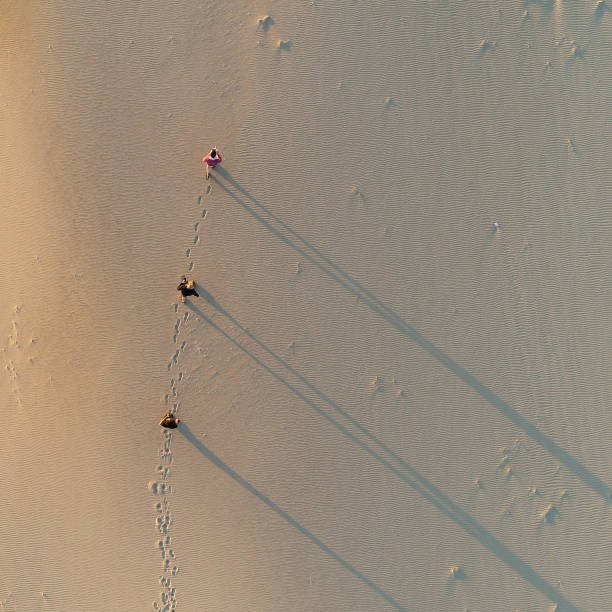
pixel 184 429
pixel 308 251
pixel 418 482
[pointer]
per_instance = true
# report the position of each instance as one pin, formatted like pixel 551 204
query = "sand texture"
pixel 394 388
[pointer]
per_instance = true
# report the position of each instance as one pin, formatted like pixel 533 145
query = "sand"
pixel 394 387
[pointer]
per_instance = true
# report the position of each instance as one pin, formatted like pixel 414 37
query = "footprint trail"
pixel 16 355
pixel 160 486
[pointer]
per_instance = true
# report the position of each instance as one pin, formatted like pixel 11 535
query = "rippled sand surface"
pixel 394 386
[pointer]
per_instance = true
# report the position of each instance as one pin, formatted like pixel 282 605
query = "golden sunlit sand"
pixel 393 388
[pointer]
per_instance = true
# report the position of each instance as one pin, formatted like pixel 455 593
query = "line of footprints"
pixel 161 487
pixel 13 352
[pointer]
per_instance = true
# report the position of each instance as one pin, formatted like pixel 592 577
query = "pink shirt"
pixel 212 161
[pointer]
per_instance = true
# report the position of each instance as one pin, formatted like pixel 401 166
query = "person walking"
pixel 211 160
pixel 169 421
pixel 187 288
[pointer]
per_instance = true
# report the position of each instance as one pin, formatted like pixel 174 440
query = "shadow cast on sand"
pixel 414 478
pixel 213 458
pixel 284 233
pixel 545 6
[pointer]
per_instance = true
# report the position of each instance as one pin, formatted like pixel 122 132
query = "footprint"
pixel 188 253
pixel 8 604
pixel 204 213
pixel 183 343
pixel 185 317
pixel 199 200
pixel 196 240
pixel 190 266
pixel 208 188
pixel 195 227
pixel 166 455
pixel 165 520
pixel 160 488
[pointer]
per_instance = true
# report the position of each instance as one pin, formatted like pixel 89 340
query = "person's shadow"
pixel 406 472
pixel 245 484
pixel 284 233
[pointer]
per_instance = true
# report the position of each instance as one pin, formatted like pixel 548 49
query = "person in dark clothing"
pixel 169 422
pixel 187 288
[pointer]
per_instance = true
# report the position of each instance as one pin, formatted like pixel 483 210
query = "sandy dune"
pixel 387 401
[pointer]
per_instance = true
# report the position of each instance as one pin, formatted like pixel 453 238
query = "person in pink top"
pixel 211 160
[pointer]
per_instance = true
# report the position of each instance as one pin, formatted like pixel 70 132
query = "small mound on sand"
pixel 265 23
pixel 456 573
pixel 486 45
pixel 549 514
